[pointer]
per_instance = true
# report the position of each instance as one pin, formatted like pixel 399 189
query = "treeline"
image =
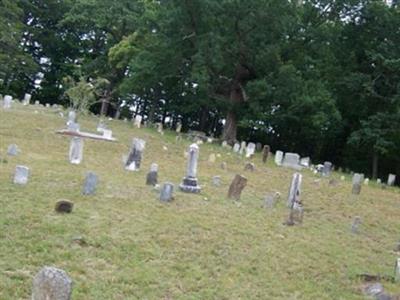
pixel 317 77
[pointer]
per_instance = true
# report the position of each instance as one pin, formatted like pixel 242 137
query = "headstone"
pixel 72 126
pixel 71 117
pixel 178 138
pixel 291 160
pixel 211 158
pixel 271 200
pixel 152 176
pixel 327 169
pixel 27 99
pixel 216 181
pixel 366 181
pixel 397 270
pixel 305 162
pixel 178 127
pixel 242 148
pixel 13 150
pixel 47 105
pixel 391 179
pixel 357 181
pixel 90 184
pixel 265 153
pixel 224 165
pixel 21 175
pixel 7 100
pixel 374 289
pixel 167 191
pixel 236 147
pixel 160 128
pixel 37 102
pixel 107 133
pixel 138 121
pixel 294 201
pixel 64 206
pixel 355 226
pixel 51 284
pixel 258 147
pixel 249 167
pixel 224 144
pixel 76 150
pixel 278 157
pixel 189 183
pixel 250 149
pixel 236 187
pixel 101 126
pixel 135 155
pixel 379 181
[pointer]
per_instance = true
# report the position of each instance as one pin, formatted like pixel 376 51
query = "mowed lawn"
pixel 197 247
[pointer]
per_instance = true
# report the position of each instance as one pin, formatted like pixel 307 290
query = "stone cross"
pixel 21 175
pixel 265 153
pixel 357 180
pixel 356 224
pixel 278 157
pixel 294 201
pixel 391 179
pixel 90 184
pixel 236 148
pixel 13 150
pixel 51 284
pixel 250 149
pixel 138 121
pixel 242 148
pixel 7 101
pixel 236 187
pixel 27 99
pixel 216 180
pixel 189 183
pixel 135 155
pixel 291 160
pixel 76 150
pixel 152 176
pixel 167 191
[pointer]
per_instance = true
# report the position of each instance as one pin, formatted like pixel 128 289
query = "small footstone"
pixel 249 167
pixel 167 191
pixel 13 150
pixel 89 187
pixel 51 284
pixel 356 225
pixel 64 206
pixel 236 187
pixel 216 181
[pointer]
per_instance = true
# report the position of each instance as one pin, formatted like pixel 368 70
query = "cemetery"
pixel 76 222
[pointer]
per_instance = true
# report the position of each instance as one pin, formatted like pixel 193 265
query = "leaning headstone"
pixel 327 169
pixel 242 148
pixel 271 200
pixel 167 191
pixel 291 160
pixel 21 175
pixel 7 100
pixel 294 201
pixel 90 184
pixel 397 270
pixel 216 181
pixel 189 183
pixel 258 147
pixel 51 284
pixel 278 157
pixel 64 206
pixel 211 158
pixel 236 187
pixel 305 162
pixel 355 226
pixel 236 147
pixel 391 179
pixel 249 167
pixel 152 176
pixel 76 150
pixel 13 150
pixel 138 121
pixel 250 149
pixel 265 153
pixel 27 99
pixel 135 155
pixel 357 181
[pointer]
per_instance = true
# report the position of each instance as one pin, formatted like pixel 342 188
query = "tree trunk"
pixel 375 161
pixel 203 120
pixel 105 103
pixel 230 128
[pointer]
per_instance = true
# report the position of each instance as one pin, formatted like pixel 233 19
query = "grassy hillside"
pixel 197 247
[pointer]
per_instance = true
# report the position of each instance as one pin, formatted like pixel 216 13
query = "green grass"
pixel 197 247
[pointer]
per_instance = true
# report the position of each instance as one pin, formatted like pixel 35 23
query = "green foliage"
pixel 81 94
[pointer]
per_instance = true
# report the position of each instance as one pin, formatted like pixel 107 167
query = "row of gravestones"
pixel 8 100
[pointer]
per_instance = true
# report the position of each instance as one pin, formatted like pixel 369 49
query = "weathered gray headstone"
pixel 160 128
pixel 242 148
pixel 250 149
pixel 72 126
pixel 107 134
pixel 391 179
pixel 291 160
pixel 224 144
pixel 278 157
pixel 167 191
pixel 355 226
pixel 76 150
pixel 327 169
pixel 64 206
pixel 27 99
pixel 138 121
pixel 271 200
pixel 13 150
pixel 135 155
pixel 90 184
pixel 236 148
pixel 178 127
pixel 397 270
pixel 71 117
pixel 101 126
pixel 249 167
pixel 294 201
pixel 7 100
pixel 189 183
pixel 259 147
pixel 265 153
pixel 357 181
pixel 21 175
pixel 305 162
pixel 216 181
pixel 51 284
pixel 152 176
pixel 374 289
pixel 366 181
pixel 236 187
pixel 224 165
